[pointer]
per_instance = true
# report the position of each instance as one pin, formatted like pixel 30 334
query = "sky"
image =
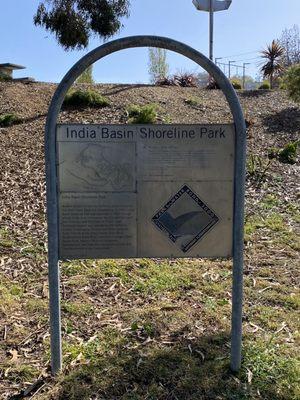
pixel 240 33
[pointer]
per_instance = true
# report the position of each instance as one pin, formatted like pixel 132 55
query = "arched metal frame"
pixel 52 195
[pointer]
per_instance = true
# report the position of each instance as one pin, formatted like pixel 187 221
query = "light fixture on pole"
pixel 244 73
pixel 229 68
pixel 211 6
pixel 218 58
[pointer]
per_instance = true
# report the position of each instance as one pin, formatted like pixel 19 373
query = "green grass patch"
pixel 10 295
pixel 77 308
pixel 164 277
pixel 142 114
pixel 282 234
pixel 85 98
pixel 271 363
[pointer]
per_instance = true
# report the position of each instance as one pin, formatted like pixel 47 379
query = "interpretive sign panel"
pixel 145 190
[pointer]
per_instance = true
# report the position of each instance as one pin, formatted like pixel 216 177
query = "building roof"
pixel 11 66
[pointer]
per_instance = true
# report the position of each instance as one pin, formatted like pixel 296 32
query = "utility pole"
pixel 229 68
pixel 216 60
pixel 212 6
pixel 211 30
pixel 244 74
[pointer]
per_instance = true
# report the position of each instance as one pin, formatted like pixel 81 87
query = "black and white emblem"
pixel 185 218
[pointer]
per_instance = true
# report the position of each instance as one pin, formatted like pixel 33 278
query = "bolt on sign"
pixel 128 191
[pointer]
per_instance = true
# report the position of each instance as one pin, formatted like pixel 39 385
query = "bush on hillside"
pixel 87 98
pixel 5 78
pixel 8 120
pixel 166 81
pixel 142 114
pixel 185 79
pixel 286 155
pixel 212 84
pixel 236 84
pixel 192 101
pixel 291 82
pixel 264 86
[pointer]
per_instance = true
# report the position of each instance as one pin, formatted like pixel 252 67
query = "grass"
pixel 85 98
pixel 159 329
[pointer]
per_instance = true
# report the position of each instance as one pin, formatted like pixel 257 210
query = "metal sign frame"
pixel 52 194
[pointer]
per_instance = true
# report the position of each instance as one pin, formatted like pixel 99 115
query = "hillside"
pixel 151 329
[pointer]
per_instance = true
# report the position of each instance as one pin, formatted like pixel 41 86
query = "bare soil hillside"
pixel 154 329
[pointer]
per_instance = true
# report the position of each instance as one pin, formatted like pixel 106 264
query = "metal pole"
pixel 239 186
pixel 53 257
pixel 244 74
pixel 211 29
pixel 229 69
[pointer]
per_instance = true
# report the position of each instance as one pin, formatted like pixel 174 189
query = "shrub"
pixel 286 155
pixel 5 78
pixel 192 101
pixel 291 82
pixel 236 84
pixel 257 168
pixel 264 86
pixel 142 114
pixel 9 119
pixel 185 79
pixel 166 81
pixel 86 76
pixel 88 98
pixel 212 84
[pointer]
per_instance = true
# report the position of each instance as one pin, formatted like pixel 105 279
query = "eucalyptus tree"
pixel 74 22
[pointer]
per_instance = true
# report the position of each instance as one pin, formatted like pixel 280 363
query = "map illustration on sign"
pixel 93 168
pixel 185 219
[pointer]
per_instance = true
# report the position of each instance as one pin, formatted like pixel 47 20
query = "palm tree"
pixel 273 66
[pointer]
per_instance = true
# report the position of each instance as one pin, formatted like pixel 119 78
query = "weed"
pixel 257 168
pixel 85 98
pixel 269 201
pixel 142 114
pixel 192 101
pixel 287 154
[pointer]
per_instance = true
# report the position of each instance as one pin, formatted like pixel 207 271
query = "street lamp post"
pixel 211 6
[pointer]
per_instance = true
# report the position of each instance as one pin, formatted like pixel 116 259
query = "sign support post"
pixel 52 182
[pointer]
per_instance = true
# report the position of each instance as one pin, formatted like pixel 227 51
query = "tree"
pixel 273 66
pixel 290 41
pixel 86 76
pixel 158 66
pixel 74 21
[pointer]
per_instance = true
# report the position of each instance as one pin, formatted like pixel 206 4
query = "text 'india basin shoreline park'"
pixel 125 132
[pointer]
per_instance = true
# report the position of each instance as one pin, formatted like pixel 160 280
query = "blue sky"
pixel 245 28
